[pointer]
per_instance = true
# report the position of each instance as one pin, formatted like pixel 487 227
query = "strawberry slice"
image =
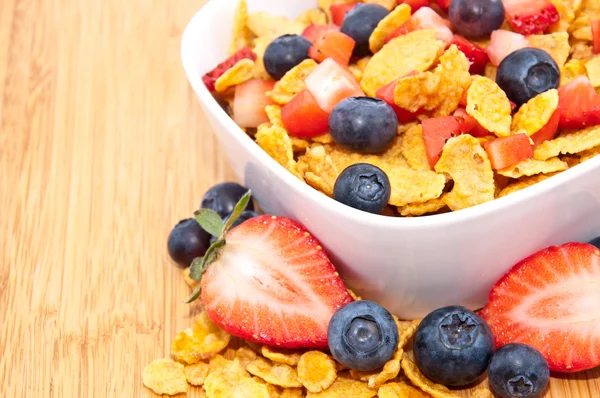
pixel 211 77
pixel 468 124
pixel 548 131
pixel 386 93
pixel 273 284
pixel 507 151
pixel 425 18
pixel 579 104
pixel 596 35
pixel 530 16
pixel 303 117
pixel 330 83
pixel 436 132
pixel 314 32
pixel 333 44
pixel 504 42
pixel 250 101
pixel 551 301
pixel 339 11
pixel 475 54
pixel 444 4
pixel 414 4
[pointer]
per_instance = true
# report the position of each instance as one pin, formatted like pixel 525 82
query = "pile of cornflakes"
pixel 436 81
pixel 218 365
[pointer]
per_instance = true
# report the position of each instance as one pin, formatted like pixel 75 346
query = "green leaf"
pixel 238 210
pixel 196 269
pixel 194 296
pixel 210 221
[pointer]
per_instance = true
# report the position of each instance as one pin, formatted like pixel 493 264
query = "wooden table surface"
pixel 103 148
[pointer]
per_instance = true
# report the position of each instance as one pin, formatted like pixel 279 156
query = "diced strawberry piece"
pixel 425 18
pixel 331 83
pixel 250 101
pixel 551 301
pixel 386 93
pixel 530 16
pixel 436 132
pixel 444 4
pixel 414 4
pixel 475 54
pixel 273 284
pixel 314 32
pixel 504 42
pixel 303 117
pixel 468 124
pixel 596 35
pixel 513 106
pixel 507 151
pixel 548 131
pixel 579 104
pixel 339 11
pixel 211 77
pixel 333 44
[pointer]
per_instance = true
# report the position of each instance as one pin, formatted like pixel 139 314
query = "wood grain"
pixel 103 148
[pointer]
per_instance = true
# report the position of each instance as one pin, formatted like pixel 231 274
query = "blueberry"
pixel 527 72
pixel 518 370
pixel 453 346
pixel 187 241
pixel 363 124
pixel 364 187
pixel 223 197
pixel 284 53
pixel 362 335
pixel 476 19
pixel 245 216
pixel 595 242
pixel 359 24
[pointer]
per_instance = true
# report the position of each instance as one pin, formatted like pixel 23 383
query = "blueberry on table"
pixel 360 22
pixel 187 241
pixel 223 197
pixel 453 346
pixel 363 124
pixel 476 19
pixel 364 187
pixel 362 335
pixel 527 72
pixel 284 53
pixel 518 370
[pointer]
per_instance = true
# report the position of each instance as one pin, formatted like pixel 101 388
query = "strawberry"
pixel 475 54
pixel 470 125
pixel 314 32
pixel 425 18
pixel 444 4
pixel 548 131
pixel 339 11
pixel 437 131
pixel 507 151
pixel 551 302
pixel 504 42
pixel 530 16
pixel 579 104
pixel 386 93
pixel 333 44
pixel 414 4
pixel 249 102
pixel 596 35
pixel 303 117
pixel 330 83
pixel 211 77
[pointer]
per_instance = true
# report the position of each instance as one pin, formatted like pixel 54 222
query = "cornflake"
pixel 572 69
pixel 590 153
pixel 465 161
pixel 292 393
pixel 389 4
pixel 455 79
pixel 275 141
pixel 345 386
pixel 260 46
pixel 277 374
pixel 316 371
pixel 482 393
pixel 490 106
pixel 224 384
pixel 196 374
pixel 292 82
pixel 245 355
pixel 387 25
pixel 165 376
pixel 281 355
pixel 418 91
pixel 420 209
pixel 593 70
pixel 555 44
pixel 523 183
pixel 219 363
pixel 536 113
pixel 377 378
pixel 265 24
pixel 325 5
pixel 400 390
pixel 274 114
pixel 241 34
pixel 413 149
pixel 242 71
pixel 313 16
pixel 418 379
pixel 204 341
pixel 568 143
pixel 531 167
pixel 406 330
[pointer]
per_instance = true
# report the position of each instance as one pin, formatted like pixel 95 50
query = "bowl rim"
pixel 331 205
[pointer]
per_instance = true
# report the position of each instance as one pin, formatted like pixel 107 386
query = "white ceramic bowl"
pixel 410 265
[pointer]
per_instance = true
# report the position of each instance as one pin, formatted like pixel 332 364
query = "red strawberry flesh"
pixel 530 16
pixel 211 77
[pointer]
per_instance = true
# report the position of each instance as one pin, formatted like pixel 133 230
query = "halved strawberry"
pixel 436 132
pixel 444 4
pixel 530 16
pixel 331 83
pixel 507 151
pixel 414 4
pixel 386 93
pixel 596 35
pixel 475 54
pixel 333 44
pixel 548 131
pixel 303 117
pixel 551 301
pixel 211 77
pixel 425 18
pixel 579 104
pixel 468 124
pixel 504 42
pixel 273 284
pixel 250 101
pixel 314 32
pixel 339 11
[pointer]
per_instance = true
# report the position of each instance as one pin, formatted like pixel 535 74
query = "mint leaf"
pixel 238 210
pixel 194 296
pixel 210 221
pixel 196 269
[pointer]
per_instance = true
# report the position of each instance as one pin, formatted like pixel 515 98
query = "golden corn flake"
pixel 583 33
pixel 196 374
pixel 274 114
pixel 415 51
pixel 242 71
pixel 204 341
pixel 409 186
pixel 292 393
pixel 229 354
pixel 419 380
pixel 299 145
pixel 356 71
pixel 490 71
pixel 387 25
pixel 555 44
pixel 219 363
pixel 572 69
pixel 523 183
pixel 316 371
pixel 363 62
pixel 482 393
pixel 376 379
pixel 420 209
pixel 593 70
pixel 165 376
pixel 241 34
pixel 245 355
pixel 490 106
pixel 413 149
pixel 406 330
pixel 260 46
pixel 323 139
pixel 277 374
pixel 388 4
pixel 190 282
pixel 312 16
pixel 531 167
pixel 467 163
pixel 400 390
pixel 455 79
pixel 568 143
pixel 292 82
pixel 344 387
pixel 418 91
pixel 274 391
pixel 325 5
pixel 224 384
pixel 590 153
pixel 276 142
pixel 536 113
pixel 265 24
pixel 321 171
pixel 566 13
pixel 281 355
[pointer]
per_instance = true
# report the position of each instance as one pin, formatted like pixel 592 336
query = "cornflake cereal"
pixel 242 36
pixel 536 113
pixel 276 142
pixel 314 16
pixel 523 183
pixel 572 69
pixel 376 379
pixel 593 70
pixel 400 390
pixel 241 72
pixel 196 374
pixel 265 24
pixel 568 143
pixel 418 379
pixel 292 82
pixel 531 167
pixel 482 393
pixel 164 376
pixel 387 25
pixel 413 148
pixel 224 384
pixel 277 374
pixel 419 209
pixel 389 4
pixel 280 355
pixel 316 371
pixel 204 341
pixel 555 44
pixel 490 106
pixel 345 386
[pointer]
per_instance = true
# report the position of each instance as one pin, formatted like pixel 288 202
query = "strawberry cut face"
pixel 530 16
